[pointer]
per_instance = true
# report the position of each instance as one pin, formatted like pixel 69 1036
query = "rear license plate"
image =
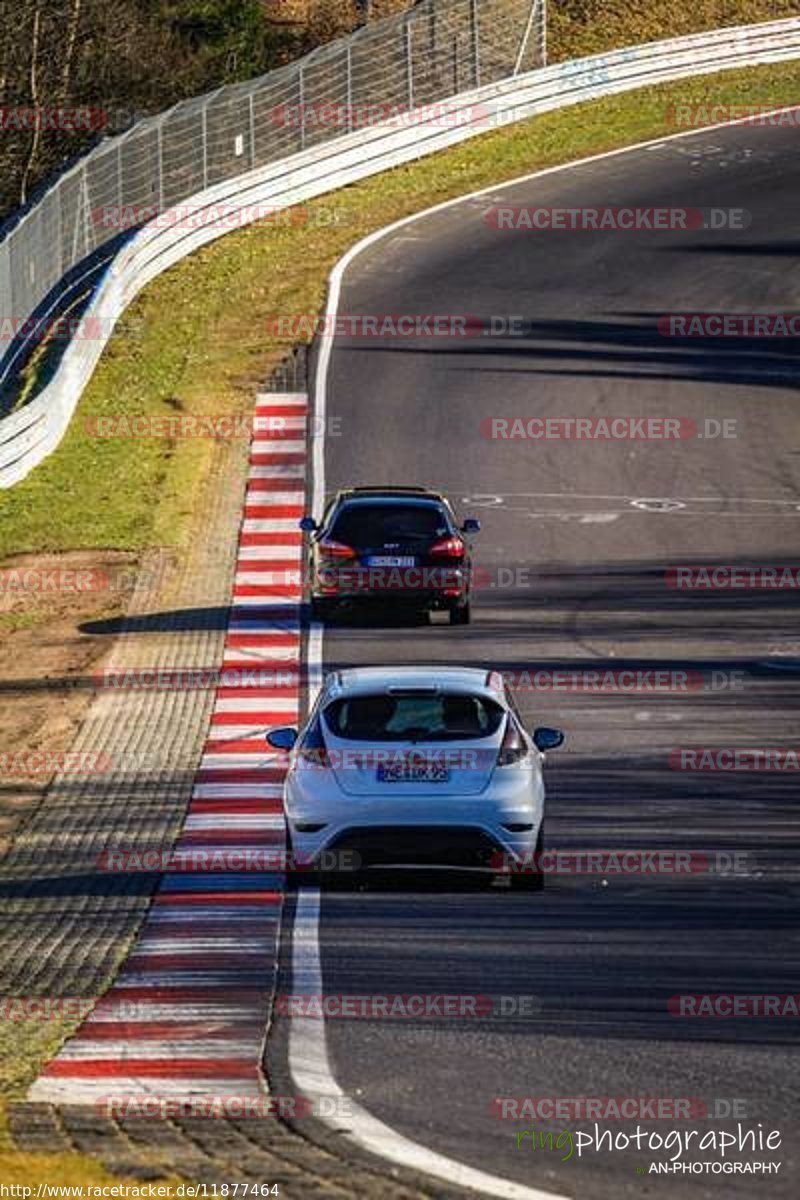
pixel 402 773
pixel 391 560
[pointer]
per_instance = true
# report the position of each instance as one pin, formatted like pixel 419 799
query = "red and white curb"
pixel 187 1015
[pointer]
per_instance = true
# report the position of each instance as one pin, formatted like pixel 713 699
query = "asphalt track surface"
pixel 587 590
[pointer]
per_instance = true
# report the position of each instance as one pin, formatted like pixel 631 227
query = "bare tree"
pixel 33 79
pixel 72 34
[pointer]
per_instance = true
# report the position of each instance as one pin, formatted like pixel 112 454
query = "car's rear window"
pixel 413 716
pixel 376 524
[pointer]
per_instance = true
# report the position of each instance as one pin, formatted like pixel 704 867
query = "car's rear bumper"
pixel 352 847
pixel 417 845
pixel 424 586
pixel 408 597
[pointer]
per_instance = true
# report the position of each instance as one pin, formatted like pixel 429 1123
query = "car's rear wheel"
pixel 288 856
pixel 305 873
pixel 533 880
pixel 460 614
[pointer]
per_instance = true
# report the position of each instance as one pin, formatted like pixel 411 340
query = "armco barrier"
pixel 33 432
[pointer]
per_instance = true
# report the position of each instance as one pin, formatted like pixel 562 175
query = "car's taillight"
pixel 332 549
pixel 513 748
pixel 451 547
pixel 312 750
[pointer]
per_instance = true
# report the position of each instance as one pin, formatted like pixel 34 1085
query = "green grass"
pixel 73 1170
pixel 579 27
pixel 23 620
pixel 197 340
pixel 24 1044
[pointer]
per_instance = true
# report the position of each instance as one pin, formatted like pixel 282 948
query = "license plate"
pixel 391 560
pixel 403 773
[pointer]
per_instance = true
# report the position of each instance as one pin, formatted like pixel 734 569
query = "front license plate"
pixel 391 560
pixel 413 774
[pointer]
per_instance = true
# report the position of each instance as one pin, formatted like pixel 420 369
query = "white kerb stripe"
pixel 266 445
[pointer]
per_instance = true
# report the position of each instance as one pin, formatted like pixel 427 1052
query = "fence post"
pixel 476 41
pixel 160 154
pixel 536 6
pixel 6 291
pixel 252 121
pixel 410 64
pixel 301 104
pixel 60 237
pixel 204 136
pixel 349 100
pixel 120 193
pixel 87 220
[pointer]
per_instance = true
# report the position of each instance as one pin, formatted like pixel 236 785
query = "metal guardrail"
pixel 30 434
pixel 430 51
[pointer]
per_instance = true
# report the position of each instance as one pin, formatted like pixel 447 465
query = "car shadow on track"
pixel 624 345
pixel 643 594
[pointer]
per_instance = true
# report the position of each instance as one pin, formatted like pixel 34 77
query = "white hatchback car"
pixel 402 766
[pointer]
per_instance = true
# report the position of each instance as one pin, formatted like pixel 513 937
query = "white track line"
pixel 308 1054
pixel 311 1072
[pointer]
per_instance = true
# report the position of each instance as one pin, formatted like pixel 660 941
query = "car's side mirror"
pixel 471 525
pixel 308 524
pixel 283 738
pixel 547 739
